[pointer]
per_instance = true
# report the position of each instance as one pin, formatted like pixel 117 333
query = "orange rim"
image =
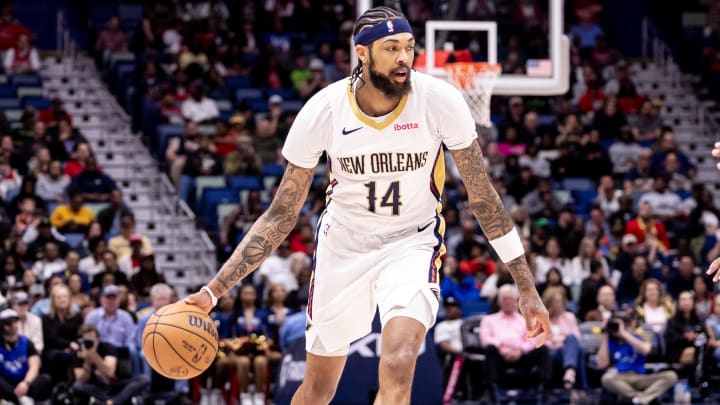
pixel 463 73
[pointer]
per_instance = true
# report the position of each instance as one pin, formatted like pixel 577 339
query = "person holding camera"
pixel 626 348
pixel 20 378
pixel 95 371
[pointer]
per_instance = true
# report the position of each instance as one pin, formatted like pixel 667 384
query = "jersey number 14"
pixel 390 199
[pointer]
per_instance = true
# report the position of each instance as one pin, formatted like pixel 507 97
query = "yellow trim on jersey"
pixel 439 172
pixel 438 177
pixel 329 188
pixel 369 121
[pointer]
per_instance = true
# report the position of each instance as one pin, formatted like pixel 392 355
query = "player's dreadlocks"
pixel 368 19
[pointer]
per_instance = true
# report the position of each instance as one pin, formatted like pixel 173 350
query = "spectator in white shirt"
pixel 608 196
pixel 624 152
pixel 50 264
pixel 93 263
pixel 664 202
pixel 199 108
pixel 30 324
pixel 539 165
pixel 51 186
pixel 277 269
pixel 549 259
pixel 23 59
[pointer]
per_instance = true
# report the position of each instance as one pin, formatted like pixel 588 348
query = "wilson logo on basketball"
pixel 406 126
pixel 200 323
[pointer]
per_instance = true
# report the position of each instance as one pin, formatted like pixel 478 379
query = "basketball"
pixel 180 341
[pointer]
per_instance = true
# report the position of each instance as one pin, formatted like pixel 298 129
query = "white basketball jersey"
pixel 386 173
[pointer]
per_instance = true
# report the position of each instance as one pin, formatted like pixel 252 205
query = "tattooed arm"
pixel 264 236
pixel 488 209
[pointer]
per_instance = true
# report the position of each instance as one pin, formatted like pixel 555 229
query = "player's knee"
pixel 399 362
pixel 317 392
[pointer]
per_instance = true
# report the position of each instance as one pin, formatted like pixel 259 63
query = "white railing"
pixel 654 48
pixel 117 122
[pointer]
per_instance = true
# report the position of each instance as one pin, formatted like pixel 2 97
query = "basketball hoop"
pixel 476 81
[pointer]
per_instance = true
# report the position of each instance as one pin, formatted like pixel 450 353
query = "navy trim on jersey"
pixel 432 277
pixel 314 261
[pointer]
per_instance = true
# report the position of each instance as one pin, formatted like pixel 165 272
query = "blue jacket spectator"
pixel 94 185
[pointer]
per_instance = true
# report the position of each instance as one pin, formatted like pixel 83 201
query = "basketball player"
pixel 379 241
pixel 715 265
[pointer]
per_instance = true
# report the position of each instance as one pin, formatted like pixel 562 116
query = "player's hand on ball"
pixel 714 266
pixel 200 299
pixel 537 319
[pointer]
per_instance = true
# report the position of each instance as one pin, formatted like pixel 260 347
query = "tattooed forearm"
pixel 268 231
pixel 487 207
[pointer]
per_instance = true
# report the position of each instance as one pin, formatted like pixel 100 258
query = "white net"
pixel 476 81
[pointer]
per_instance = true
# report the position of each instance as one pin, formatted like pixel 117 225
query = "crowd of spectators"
pixel 605 199
pixel 76 276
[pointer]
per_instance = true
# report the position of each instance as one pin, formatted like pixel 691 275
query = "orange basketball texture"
pixel 180 341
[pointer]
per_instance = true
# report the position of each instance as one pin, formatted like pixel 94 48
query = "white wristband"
pixel 213 298
pixel 509 246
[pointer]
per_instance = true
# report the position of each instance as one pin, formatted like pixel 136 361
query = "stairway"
pixel 184 254
pixel 695 126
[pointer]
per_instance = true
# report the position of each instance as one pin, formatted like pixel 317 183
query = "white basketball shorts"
pixel 355 274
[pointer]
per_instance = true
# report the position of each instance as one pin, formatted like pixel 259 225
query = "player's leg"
pixel 408 299
pixel 401 341
pixel 340 308
pixel 322 375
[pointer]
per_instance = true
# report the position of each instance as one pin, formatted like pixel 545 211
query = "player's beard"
pixel 388 86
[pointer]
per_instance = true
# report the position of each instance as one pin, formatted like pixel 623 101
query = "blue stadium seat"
pixel 26 80
pixel 583 200
pixel 39 103
pixel 469 308
pixel 7 103
pixel 100 14
pixel 211 198
pixel 259 105
pixel 249 94
pixel 293 106
pixel 7 91
pixel 286 94
pixel 577 183
pixel 164 133
pixel 606 144
pixel 238 183
pixel 271 169
pixel 238 82
pixel 130 16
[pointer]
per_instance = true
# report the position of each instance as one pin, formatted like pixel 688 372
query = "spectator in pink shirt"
pixel 503 336
pixel 564 343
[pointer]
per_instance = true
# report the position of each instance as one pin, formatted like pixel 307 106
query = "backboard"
pixel 525 36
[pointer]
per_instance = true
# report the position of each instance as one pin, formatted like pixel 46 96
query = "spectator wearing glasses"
pixel 20 378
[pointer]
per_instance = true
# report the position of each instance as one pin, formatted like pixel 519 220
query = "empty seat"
pixel 26 80
pixel 248 94
pixel 245 183
pixel 12 103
